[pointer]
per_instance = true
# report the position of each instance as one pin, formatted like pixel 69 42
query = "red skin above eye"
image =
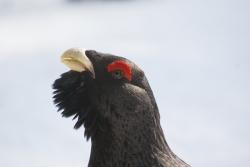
pixel 123 66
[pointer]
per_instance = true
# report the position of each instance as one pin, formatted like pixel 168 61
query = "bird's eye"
pixel 117 74
pixel 120 69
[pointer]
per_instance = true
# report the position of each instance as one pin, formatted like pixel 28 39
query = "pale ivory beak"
pixel 76 60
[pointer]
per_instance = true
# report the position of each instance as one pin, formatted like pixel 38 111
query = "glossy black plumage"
pixel 120 116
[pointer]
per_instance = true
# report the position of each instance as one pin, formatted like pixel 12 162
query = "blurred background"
pixel 195 53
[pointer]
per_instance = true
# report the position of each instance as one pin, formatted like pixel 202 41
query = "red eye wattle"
pixel 123 66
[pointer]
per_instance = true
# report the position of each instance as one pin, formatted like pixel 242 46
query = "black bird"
pixel 111 97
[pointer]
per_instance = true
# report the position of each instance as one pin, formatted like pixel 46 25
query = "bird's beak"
pixel 76 60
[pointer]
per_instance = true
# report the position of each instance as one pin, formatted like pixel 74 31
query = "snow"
pixel 194 53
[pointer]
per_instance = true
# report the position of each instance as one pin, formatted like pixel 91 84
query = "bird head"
pixel 104 92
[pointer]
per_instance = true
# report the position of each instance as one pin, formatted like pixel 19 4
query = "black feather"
pixel 71 96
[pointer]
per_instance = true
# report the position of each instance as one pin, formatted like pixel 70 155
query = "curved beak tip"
pixel 76 60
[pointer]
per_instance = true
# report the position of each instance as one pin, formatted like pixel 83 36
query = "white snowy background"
pixel 195 53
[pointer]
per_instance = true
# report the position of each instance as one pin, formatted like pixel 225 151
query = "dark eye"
pixel 117 74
